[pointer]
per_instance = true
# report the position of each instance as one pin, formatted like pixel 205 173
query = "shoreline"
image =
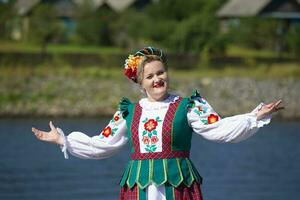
pixel 91 98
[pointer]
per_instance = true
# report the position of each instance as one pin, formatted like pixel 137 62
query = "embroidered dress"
pixel 159 134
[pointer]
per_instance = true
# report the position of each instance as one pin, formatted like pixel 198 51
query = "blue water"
pixel 264 167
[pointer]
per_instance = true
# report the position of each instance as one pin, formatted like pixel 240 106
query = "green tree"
pixel 186 25
pixel 6 16
pixel 45 26
pixel 258 33
pixel 293 39
pixel 95 26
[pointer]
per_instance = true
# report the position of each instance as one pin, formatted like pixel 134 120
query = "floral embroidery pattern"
pixel 210 119
pixel 150 138
pixel 200 110
pixel 108 131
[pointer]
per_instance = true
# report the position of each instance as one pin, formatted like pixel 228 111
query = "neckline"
pixel 156 105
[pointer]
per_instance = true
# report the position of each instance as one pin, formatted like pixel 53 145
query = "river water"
pixel 264 167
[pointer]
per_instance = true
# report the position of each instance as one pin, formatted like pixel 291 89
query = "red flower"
pixel 212 118
pixel 106 132
pixel 116 118
pixel 146 140
pixel 130 73
pixel 154 139
pixel 150 125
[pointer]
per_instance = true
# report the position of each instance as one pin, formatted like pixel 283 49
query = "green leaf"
pixel 144 132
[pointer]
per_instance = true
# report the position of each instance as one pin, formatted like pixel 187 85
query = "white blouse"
pixel 201 118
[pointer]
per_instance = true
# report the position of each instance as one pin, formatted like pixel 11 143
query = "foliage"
pixel 187 26
pixel 293 40
pixel 6 14
pixel 175 25
pixel 94 26
pixel 258 33
pixel 45 26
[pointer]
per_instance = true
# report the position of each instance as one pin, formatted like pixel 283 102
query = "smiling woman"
pixel 159 129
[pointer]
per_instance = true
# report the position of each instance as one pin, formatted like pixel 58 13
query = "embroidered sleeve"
pixel 106 143
pixel 207 123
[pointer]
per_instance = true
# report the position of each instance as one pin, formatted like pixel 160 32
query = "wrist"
pixel 60 140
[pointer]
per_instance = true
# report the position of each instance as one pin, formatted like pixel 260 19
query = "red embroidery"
pixel 167 151
pixel 150 125
pixel 212 118
pixel 154 139
pixel 146 140
pixel 116 118
pixel 106 132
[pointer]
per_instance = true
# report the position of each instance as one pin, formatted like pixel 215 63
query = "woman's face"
pixel 155 81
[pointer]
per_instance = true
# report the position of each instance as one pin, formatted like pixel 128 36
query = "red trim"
pixel 193 192
pixel 166 136
pixel 129 194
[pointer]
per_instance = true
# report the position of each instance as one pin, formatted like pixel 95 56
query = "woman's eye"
pixel 149 77
pixel 160 73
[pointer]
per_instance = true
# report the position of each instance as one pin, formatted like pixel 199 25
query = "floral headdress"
pixel 133 61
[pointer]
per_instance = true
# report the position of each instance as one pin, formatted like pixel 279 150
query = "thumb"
pixel 51 126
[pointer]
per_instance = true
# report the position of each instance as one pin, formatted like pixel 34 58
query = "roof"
pixel 242 8
pixel 24 6
pixel 279 9
pixel 116 5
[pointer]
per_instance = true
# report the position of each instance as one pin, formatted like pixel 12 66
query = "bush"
pixel 293 40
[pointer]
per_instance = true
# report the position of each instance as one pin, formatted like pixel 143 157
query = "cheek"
pixel 146 84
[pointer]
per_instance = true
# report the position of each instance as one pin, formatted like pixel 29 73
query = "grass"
pixel 6 46
pixel 274 71
pixel 237 51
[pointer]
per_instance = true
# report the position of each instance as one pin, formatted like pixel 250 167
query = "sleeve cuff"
pixel 261 122
pixel 64 146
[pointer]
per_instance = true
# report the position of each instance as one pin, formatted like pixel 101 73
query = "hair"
pixel 147 59
pixel 134 64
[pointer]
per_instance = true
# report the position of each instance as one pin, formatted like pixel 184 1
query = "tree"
pixel 6 14
pixel 186 25
pixel 95 26
pixel 45 26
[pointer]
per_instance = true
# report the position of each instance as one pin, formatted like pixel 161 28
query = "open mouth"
pixel 159 84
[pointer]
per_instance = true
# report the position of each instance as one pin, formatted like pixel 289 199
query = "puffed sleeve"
pixel 108 142
pixel 207 123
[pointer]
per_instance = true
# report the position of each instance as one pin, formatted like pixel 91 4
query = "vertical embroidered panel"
pixel 166 136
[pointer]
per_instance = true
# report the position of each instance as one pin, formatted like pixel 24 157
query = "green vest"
pixel 159 171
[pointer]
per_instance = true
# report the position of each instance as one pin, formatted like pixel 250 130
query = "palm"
pixel 52 136
pixel 269 109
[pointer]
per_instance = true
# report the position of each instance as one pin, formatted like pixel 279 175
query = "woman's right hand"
pixel 52 136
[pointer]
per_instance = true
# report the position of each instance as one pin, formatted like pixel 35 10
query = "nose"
pixel 155 78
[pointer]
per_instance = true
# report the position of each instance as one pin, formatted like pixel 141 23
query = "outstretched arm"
pixel 207 123
pixel 105 144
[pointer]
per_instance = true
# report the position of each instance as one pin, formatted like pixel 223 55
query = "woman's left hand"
pixel 269 109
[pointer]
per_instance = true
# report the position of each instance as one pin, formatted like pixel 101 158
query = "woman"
pixel 159 129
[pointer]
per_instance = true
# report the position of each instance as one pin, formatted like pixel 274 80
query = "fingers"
pixel 52 126
pixel 277 103
pixel 37 133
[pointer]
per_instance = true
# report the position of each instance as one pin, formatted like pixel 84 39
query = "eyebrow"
pixel 159 71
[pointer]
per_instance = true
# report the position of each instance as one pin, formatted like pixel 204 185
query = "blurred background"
pixel 63 60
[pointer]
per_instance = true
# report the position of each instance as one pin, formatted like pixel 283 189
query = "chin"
pixel 160 93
